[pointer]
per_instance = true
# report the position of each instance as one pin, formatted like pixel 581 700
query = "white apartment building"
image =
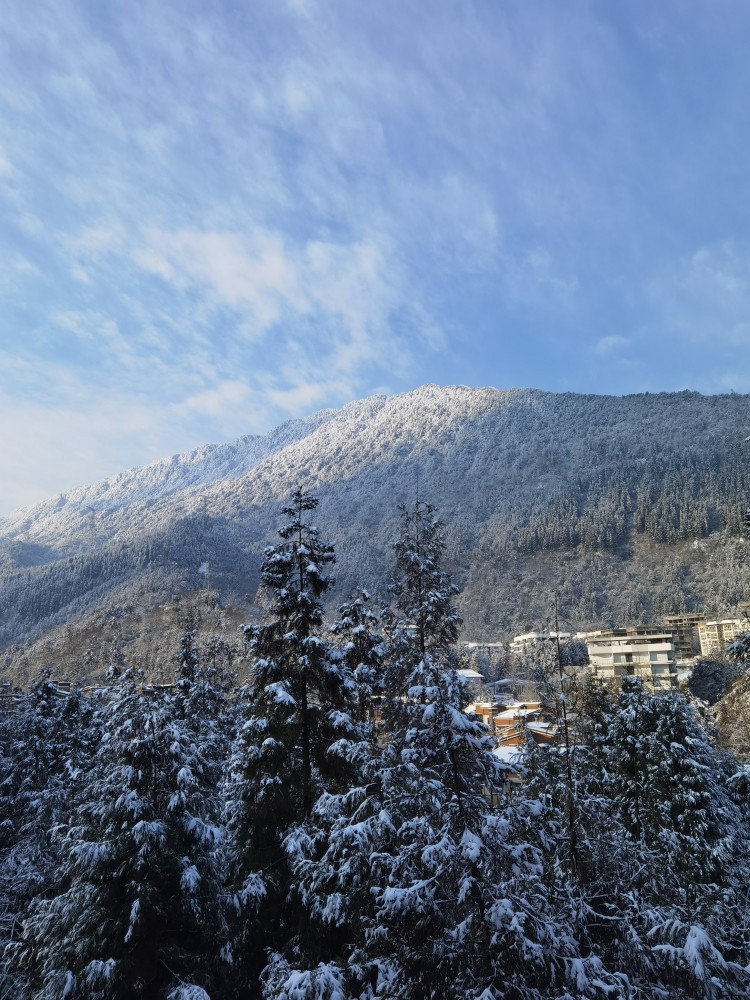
pixel 488 648
pixel 529 641
pixel 642 651
pixel 715 636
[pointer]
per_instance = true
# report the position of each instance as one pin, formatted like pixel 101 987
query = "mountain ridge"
pixel 165 476
pixel 602 499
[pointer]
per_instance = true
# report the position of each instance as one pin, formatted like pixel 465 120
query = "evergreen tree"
pixel 205 676
pixel 300 705
pixel 739 649
pixel 669 784
pixel 360 647
pixel 47 744
pixel 138 911
pixel 670 791
pixel 424 592
pixel 591 870
pixel 428 891
pixel 733 717
pixel 653 895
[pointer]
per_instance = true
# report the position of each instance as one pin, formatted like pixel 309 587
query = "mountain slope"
pixel 627 507
pixel 101 508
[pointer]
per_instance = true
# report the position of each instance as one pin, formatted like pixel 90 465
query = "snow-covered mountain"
pixel 109 505
pixel 626 506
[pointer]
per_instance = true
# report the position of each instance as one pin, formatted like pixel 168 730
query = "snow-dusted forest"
pixel 628 508
pixel 338 827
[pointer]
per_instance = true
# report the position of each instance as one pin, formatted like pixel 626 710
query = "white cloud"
pixel 100 332
pixel 611 344
pixel 16 273
pixel 227 218
pixel 252 272
pixel 299 397
pixel 704 297
pixel 55 451
pixel 536 275
pixel 219 401
pixel 348 291
pixel 95 241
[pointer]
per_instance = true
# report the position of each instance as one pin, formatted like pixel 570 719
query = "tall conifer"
pixel 299 709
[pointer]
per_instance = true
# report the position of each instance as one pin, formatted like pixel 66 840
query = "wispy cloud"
pixel 220 215
pixel 703 297
pixel 611 345
pixel 253 273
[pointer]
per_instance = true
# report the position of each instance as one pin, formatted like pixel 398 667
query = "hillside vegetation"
pixel 342 827
pixel 627 507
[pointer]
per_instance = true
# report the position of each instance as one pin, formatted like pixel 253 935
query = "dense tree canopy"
pixel 339 828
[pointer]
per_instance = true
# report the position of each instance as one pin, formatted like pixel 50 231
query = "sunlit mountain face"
pixel 624 508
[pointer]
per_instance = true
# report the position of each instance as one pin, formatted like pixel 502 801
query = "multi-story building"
pixel 530 641
pixel 643 651
pixel 684 629
pixel 485 648
pixel 715 636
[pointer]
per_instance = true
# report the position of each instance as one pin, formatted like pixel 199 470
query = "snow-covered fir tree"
pixel 739 649
pixel 372 854
pixel 669 793
pixel 360 645
pixel 138 910
pixel 669 783
pixel 427 890
pixel 205 677
pixel 47 745
pixel 300 707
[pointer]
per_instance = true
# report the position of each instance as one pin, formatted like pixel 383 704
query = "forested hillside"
pixel 339 826
pixel 627 507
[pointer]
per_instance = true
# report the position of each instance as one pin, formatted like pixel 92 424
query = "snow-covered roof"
pixel 508 754
pixel 515 713
pixel 542 727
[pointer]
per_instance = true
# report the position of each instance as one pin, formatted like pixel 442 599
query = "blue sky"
pixel 215 216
